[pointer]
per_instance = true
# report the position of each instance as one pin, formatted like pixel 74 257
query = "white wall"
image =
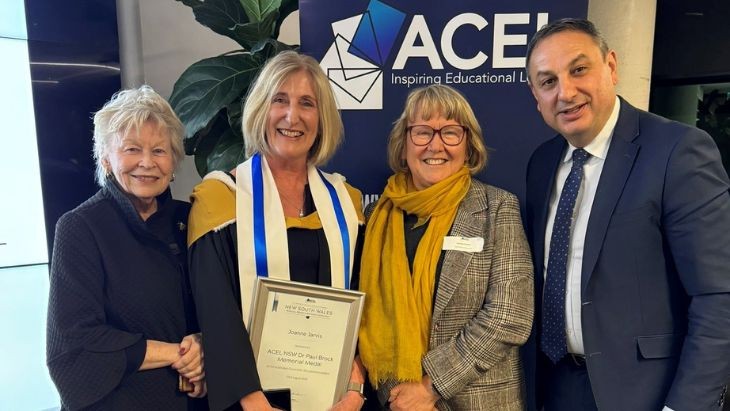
pixel 22 225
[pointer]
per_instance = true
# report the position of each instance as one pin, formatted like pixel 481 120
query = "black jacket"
pixel 117 281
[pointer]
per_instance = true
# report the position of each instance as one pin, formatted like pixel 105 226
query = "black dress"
pixel 117 281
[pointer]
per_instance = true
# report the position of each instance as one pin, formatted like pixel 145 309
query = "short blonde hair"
pixel 129 110
pixel 433 100
pixel 258 103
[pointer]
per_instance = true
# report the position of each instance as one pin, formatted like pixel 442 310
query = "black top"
pixel 117 281
pixel 413 237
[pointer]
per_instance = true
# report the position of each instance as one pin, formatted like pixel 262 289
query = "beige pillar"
pixel 628 26
pixel 677 103
pixel 130 43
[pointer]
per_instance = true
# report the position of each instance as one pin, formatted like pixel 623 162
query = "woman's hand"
pixel 358 371
pixel 255 401
pixel 351 401
pixel 200 389
pixel 159 354
pixel 190 363
pixel 414 396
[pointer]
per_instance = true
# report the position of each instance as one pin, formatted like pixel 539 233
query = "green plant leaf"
pixel 286 8
pixel 221 16
pixel 191 142
pixel 270 47
pixel 257 10
pixel 206 140
pixel 252 33
pixel 190 3
pixel 228 152
pixel 219 148
pixel 210 85
pixel 235 112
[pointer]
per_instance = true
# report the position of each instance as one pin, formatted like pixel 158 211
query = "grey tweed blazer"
pixel 483 309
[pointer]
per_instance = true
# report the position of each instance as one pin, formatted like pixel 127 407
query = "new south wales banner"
pixel 376 51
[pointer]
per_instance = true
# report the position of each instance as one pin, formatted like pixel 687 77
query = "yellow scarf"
pixel 396 321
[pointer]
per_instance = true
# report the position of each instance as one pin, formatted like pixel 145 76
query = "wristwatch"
pixel 357 387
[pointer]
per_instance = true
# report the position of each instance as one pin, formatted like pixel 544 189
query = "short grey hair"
pixel 129 110
pixel 567 24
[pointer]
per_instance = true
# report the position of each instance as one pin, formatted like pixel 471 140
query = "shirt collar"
pixel 599 146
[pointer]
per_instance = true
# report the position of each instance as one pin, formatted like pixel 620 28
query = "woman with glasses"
pixel 446 268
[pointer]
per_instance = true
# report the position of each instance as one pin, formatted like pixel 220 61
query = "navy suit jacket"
pixel 656 266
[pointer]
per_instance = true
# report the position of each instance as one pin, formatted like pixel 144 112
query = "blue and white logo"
pixel 354 62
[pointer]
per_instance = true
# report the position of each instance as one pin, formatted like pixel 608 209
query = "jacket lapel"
pixel 456 262
pixel 619 162
pixel 547 168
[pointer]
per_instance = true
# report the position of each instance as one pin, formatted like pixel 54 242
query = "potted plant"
pixel 209 95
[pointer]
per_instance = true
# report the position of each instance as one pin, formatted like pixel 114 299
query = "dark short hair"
pixel 566 24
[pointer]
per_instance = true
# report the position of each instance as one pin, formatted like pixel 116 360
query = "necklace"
pixel 292 183
pixel 293 204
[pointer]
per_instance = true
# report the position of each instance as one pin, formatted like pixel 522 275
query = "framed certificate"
pixel 304 338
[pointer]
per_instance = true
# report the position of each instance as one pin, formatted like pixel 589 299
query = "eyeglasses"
pixel 450 135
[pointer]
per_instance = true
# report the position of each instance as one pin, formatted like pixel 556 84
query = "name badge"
pixel 469 245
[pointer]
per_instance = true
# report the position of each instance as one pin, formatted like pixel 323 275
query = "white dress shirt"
pixel 598 148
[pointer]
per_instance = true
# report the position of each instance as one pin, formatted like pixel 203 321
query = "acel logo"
pixel 355 59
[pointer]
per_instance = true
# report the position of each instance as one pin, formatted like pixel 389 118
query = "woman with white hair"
pixel 121 319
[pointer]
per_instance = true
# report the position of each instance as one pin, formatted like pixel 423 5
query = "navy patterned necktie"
pixel 553 342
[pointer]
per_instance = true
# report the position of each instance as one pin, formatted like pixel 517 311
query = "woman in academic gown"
pixel 309 222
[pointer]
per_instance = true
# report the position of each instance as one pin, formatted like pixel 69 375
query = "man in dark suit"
pixel 628 216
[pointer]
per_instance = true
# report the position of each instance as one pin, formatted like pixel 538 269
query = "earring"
pixel 107 167
pixel 173 177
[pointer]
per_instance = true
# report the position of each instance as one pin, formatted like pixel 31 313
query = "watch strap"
pixel 357 387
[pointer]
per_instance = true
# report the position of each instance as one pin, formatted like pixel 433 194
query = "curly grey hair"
pixel 129 110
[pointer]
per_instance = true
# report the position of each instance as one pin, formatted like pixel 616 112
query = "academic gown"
pixel 229 360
